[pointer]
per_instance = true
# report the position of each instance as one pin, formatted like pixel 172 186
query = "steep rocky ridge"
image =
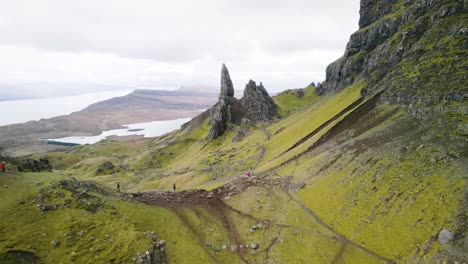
pixel 416 52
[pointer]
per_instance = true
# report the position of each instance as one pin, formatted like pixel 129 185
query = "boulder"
pixel 55 243
pixel 445 236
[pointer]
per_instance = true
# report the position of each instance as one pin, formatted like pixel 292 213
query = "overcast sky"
pixel 64 47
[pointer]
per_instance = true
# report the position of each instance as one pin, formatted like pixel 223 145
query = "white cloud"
pixel 166 44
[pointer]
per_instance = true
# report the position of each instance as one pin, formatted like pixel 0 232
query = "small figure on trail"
pixel 249 173
pixel 173 187
pixel 118 187
pixel 3 167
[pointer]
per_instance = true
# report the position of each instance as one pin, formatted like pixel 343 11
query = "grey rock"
pixel 46 207
pixel 80 233
pixel 254 245
pixel 391 35
pixel 32 165
pixel 445 236
pixel 257 104
pixel 299 93
pixel 55 243
pixel 227 89
pixel 221 112
pixel 105 168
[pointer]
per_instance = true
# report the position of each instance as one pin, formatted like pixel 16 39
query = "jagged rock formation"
pixel 410 50
pixel 156 254
pixel 257 104
pixel 227 89
pixel 221 113
pixel 219 119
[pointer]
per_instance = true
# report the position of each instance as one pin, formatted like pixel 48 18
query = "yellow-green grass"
pixel 298 237
pixel 288 102
pixel 24 227
pixel 390 207
pixel 302 123
pixel 183 244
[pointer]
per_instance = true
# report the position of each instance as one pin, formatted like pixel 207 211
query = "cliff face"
pixel 257 104
pixel 414 51
pixel 222 112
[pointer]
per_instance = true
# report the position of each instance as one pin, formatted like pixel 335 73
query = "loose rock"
pixel 445 236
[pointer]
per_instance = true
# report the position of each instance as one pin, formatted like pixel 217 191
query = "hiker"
pixel 173 187
pixel 118 187
pixel 3 167
pixel 249 173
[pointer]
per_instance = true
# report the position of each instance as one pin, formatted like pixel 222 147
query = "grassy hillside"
pixel 343 179
pixel 370 171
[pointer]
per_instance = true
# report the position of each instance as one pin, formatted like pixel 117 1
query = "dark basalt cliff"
pixel 416 53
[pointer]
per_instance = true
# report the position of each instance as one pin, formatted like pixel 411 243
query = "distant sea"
pixel 149 129
pixel 20 111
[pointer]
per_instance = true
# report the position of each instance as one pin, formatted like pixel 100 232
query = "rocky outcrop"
pixel 221 112
pixel 156 254
pixel 414 52
pixel 219 118
pixel 257 104
pixel 227 89
pixel 31 165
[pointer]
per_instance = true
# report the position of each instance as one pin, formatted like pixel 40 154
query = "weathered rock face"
pixel 219 118
pixel 415 52
pixel 31 165
pixel 257 104
pixel 156 253
pixel 221 113
pixel 227 89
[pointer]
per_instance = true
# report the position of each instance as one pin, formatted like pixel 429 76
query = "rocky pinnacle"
pixel 227 89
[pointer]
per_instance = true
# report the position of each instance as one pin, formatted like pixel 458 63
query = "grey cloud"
pixel 285 43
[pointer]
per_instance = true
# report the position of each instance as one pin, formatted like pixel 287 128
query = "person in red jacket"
pixel 3 167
